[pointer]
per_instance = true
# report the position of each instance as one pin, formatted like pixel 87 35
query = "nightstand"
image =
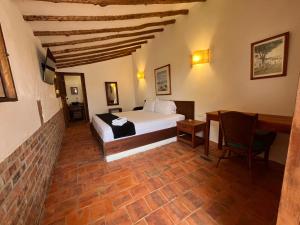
pixel 187 129
pixel 114 110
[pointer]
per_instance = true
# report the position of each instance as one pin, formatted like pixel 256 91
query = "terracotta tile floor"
pixel 165 186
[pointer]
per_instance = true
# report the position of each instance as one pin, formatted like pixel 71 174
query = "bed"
pixel 152 129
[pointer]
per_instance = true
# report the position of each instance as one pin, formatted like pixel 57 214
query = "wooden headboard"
pixel 186 108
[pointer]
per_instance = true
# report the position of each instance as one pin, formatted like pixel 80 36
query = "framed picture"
pixel 269 57
pixel 7 86
pixel 74 90
pixel 163 80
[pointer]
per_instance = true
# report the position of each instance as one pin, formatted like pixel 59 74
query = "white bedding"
pixel 144 122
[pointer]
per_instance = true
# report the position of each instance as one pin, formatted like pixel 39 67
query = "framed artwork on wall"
pixel 7 86
pixel 163 80
pixel 74 90
pixel 269 57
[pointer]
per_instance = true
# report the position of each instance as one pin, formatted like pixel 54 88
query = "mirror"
pixel 112 96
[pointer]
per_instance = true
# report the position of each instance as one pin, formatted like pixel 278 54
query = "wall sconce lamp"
pixel 141 75
pixel 200 57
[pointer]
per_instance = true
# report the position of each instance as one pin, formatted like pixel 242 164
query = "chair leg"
pixel 266 156
pixel 250 161
pixel 229 153
pixel 222 157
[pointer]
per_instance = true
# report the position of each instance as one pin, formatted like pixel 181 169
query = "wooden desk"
pixel 280 124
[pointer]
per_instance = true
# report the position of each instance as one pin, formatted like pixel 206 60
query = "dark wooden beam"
pixel 106 18
pixel 126 50
pixel 101 50
pixel 95 58
pixel 68 50
pixel 59 66
pixel 122 2
pixel 83 59
pixel 104 30
pixel 87 40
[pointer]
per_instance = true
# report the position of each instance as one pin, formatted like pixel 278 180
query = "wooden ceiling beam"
pixel 101 50
pixel 68 50
pixel 122 2
pixel 105 30
pixel 96 58
pixel 87 40
pixel 126 50
pixel 106 18
pixel 59 66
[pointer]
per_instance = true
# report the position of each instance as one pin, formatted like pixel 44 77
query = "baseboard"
pixel 137 150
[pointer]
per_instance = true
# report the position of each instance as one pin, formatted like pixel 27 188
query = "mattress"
pixel 145 122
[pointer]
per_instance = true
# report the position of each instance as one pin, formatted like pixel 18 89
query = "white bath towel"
pixel 120 121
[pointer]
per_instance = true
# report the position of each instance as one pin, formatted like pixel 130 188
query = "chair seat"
pixel 262 141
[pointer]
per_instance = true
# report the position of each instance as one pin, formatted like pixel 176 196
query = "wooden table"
pixel 187 129
pixel 280 124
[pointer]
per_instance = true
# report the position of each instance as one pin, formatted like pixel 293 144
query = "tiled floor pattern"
pixel 165 186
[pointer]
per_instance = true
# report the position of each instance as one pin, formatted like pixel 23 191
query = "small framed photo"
pixel 269 57
pixel 163 80
pixel 74 90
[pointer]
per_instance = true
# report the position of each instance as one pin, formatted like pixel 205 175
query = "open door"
pixel 68 108
pixel 63 94
pixel 289 208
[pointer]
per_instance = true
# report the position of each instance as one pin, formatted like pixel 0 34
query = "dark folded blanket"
pixel 119 131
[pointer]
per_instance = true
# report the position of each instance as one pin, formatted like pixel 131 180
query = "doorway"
pixel 73 96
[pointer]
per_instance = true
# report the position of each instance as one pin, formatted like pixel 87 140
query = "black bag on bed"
pixel 125 130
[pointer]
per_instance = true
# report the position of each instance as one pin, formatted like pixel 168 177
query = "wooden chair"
pixel 241 137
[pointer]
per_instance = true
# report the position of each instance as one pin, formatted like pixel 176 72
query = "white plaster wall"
pixel 19 120
pixel 73 81
pixel 227 28
pixel 119 70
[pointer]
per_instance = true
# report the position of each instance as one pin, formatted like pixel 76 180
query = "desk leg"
pixel 220 139
pixel 206 136
pixel 193 139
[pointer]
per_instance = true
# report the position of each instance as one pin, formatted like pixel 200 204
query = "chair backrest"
pixel 238 128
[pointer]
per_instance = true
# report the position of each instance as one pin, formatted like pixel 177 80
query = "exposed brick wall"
pixel 25 174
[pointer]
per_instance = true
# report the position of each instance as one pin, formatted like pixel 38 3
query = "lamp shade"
pixel 200 57
pixel 140 75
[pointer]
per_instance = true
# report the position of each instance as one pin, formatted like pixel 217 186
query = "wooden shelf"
pixel 187 138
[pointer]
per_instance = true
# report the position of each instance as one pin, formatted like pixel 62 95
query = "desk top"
pixel 265 121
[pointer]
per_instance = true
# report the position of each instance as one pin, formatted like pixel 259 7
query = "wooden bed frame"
pixel 186 108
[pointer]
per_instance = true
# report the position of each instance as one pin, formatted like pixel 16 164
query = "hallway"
pixel 168 185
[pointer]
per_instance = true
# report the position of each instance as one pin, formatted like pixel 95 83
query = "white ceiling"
pixel 29 7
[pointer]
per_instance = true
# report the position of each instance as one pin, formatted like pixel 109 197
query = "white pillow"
pixel 165 107
pixel 149 106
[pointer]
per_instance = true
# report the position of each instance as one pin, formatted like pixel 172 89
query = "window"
pixel 7 86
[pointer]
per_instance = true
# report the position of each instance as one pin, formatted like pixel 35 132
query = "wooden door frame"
pixel 289 208
pixel 82 78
